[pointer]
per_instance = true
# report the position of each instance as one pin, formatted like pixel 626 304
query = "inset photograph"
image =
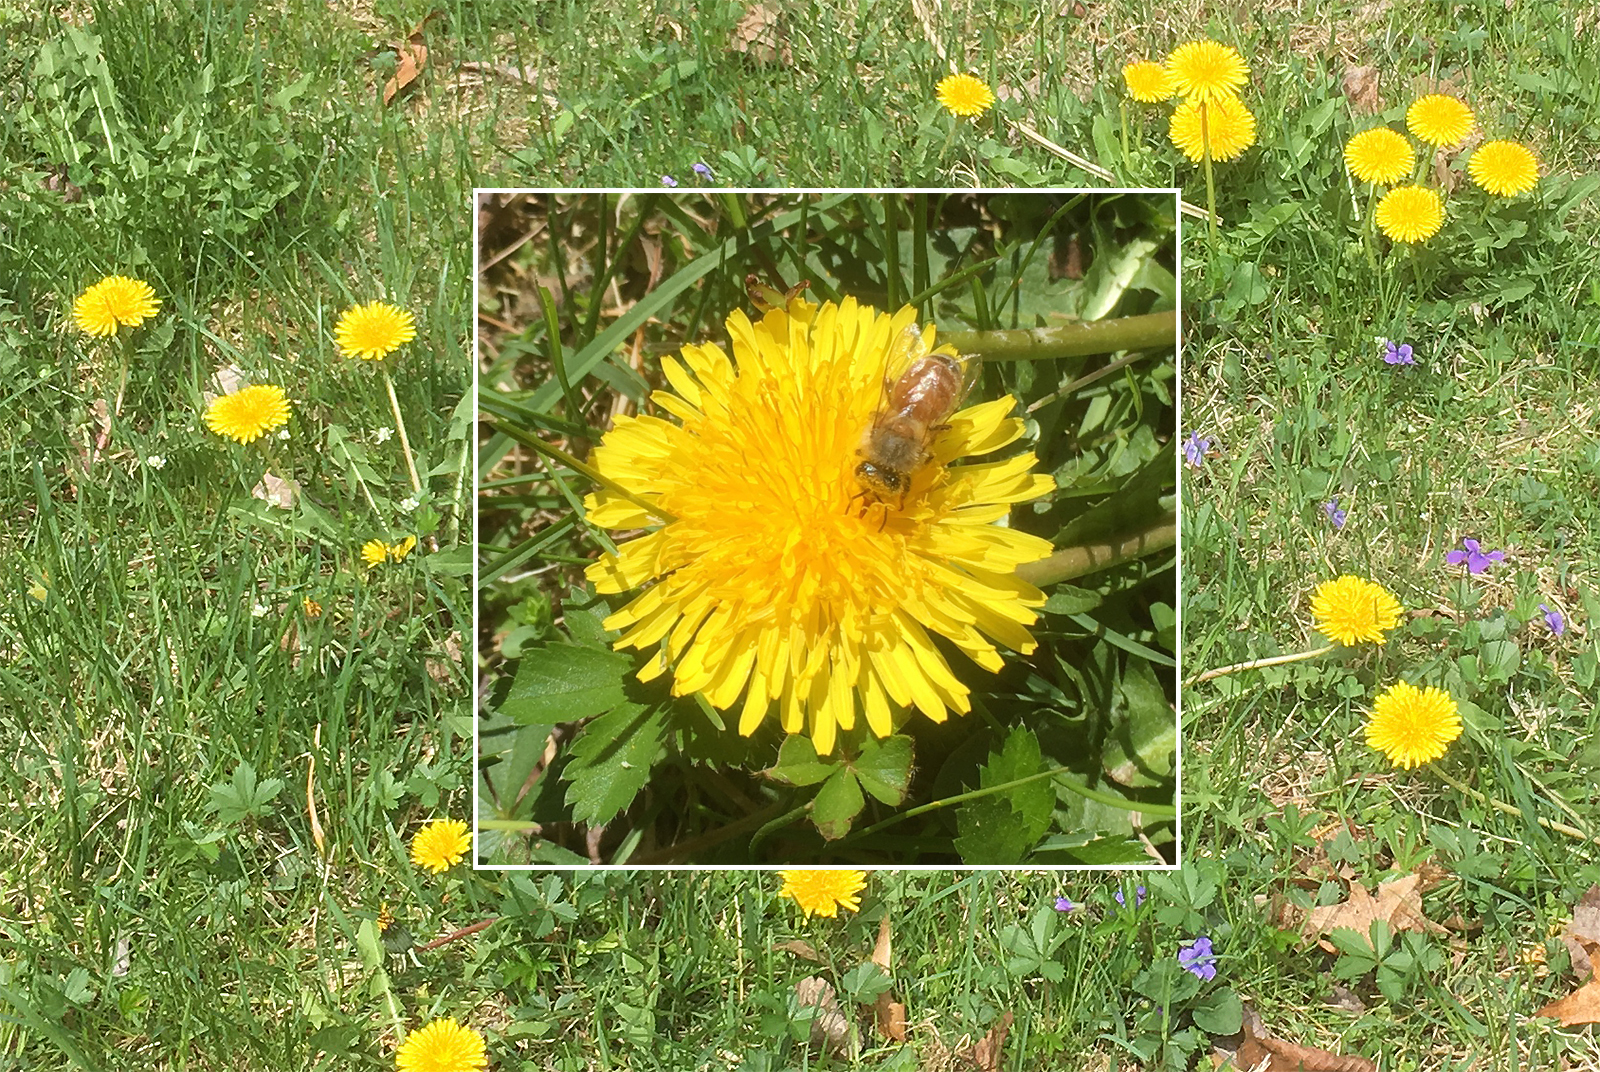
pixel 827 528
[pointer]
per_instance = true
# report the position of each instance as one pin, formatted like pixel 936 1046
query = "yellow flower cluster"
pixel 376 552
pixel 964 95
pixel 1210 121
pixel 1383 157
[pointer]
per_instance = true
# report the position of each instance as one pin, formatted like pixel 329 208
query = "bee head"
pixel 881 481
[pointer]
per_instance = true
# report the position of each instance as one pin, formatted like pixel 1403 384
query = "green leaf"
pixel 611 761
pixel 1144 745
pixel 884 768
pixel 798 763
pixel 1065 599
pixel 243 796
pixel 565 683
pixel 1219 1013
pixel 837 804
pixel 1000 828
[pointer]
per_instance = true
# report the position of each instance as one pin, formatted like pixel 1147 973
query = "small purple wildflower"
pixel 1553 619
pixel 1336 515
pixel 1194 449
pixel 1138 897
pixel 1197 958
pixel 704 171
pixel 1064 905
pixel 668 180
pixel 1477 560
pixel 1397 354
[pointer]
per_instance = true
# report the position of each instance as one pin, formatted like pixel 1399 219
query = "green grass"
pixel 650 778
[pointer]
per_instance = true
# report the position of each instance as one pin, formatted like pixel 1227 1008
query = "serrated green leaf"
pixel 1065 599
pixel 565 683
pixel 837 804
pixel 1000 828
pixel 884 768
pixel 1144 746
pixel 611 761
pixel 798 763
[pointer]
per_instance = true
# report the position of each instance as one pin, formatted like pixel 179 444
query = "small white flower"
pixel 155 461
pixel 382 434
pixel 284 434
pixel 260 610
pixel 408 504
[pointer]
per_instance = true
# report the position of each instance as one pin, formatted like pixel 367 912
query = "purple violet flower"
pixel 1553 619
pixel 1194 449
pixel 703 170
pixel 1397 354
pixel 1197 958
pixel 1064 905
pixel 1138 897
pixel 1336 515
pixel 1477 560
pixel 668 180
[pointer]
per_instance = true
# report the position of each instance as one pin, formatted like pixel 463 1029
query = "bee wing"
pixel 906 348
pixel 971 366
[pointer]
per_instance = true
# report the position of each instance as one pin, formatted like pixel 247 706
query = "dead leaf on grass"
pixel 1398 903
pixel 413 53
pixel 757 35
pixel 888 1015
pixel 1361 90
pixel 830 1030
pixel 1585 927
pixel 802 949
pixel 1582 1006
pixel 274 490
pixel 441 667
pixel 985 1053
pixel 1262 1052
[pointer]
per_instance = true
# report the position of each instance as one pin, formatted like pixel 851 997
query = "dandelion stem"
pixel 400 426
pixel 1070 562
pixel 1256 664
pixel 1510 809
pixel 1122 109
pixel 1211 185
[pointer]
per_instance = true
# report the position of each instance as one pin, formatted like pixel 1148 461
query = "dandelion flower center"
pixel 1378 155
pixel 248 413
pixel 1148 81
pixel 440 845
pixel 823 892
pixel 964 94
pixel 114 301
pixel 1409 214
pixel 1206 70
pixel 442 1046
pixel 1439 119
pixel 1504 168
pixel 1222 127
pixel 1413 726
pixel 775 579
pixel 1351 610
pixel 373 331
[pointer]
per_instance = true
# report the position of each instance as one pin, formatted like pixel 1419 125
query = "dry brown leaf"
pixel 831 1029
pixel 1361 90
pixel 1398 903
pixel 802 949
pixel 985 1053
pixel 890 1017
pixel 274 490
pixel 757 35
pixel 1261 1052
pixel 1582 1006
pixel 413 53
pixel 441 668
pixel 881 955
pixel 1585 925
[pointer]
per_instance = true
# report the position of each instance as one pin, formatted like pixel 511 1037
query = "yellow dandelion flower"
pixel 1409 214
pixel 114 301
pixel 248 413
pixel 964 94
pixel 398 551
pixel 1504 168
pixel 312 608
pixel 1351 609
pixel 824 891
pixel 1223 124
pixel 1439 119
pixel 374 331
pixel 1206 70
pixel 1413 726
pixel 1379 155
pixel 1148 82
pixel 775 579
pixel 442 1046
pixel 374 552
pixel 440 845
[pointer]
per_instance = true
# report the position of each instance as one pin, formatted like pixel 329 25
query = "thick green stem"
pixel 1149 331
pixel 1080 561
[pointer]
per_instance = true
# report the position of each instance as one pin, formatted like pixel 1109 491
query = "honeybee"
pixel 899 442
